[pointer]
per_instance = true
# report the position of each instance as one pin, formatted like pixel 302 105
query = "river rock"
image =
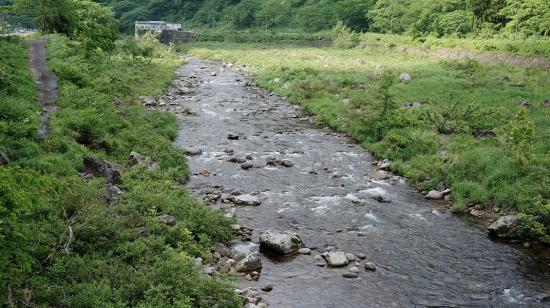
pixel 361 256
pixel 137 159
pixel 355 200
pixel 350 275
pixel 379 194
pixel 267 288
pixel 148 101
pixel 504 227
pixel 287 163
pixel 4 159
pixel 240 251
pixel 337 259
pixel 192 151
pixel 304 251
pixel 167 220
pixel 350 257
pixel 405 78
pixel 435 195
pixel 233 136
pixel 247 166
pixel 98 167
pixel 379 175
pixel 249 263
pixel 247 200
pixel 281 242
pixel 209 270
pixel 354 269
pixel 369 266
pixel 237 160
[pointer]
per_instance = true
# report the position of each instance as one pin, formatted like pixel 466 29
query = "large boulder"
pixel 504 227
pixel 4 159
pixel 137 159
pixel 281 242
pixel 249 263
pixel 99 167
pixel 337 259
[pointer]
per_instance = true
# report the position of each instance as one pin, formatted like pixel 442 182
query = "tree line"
pixel 416 17
pixel 484 18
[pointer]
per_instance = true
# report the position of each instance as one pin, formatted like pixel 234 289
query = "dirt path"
pixel 47 84
pixel 425 256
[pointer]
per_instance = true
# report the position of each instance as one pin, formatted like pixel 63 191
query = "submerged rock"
pixel 233 136
pixel 247 200
pixel 369 266
pixel 287 163
pixel 281 242
pixel 192 151
pixel 504 227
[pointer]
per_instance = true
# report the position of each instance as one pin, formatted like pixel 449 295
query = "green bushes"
pixel 60 240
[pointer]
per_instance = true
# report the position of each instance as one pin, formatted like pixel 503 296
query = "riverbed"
pixel 425 256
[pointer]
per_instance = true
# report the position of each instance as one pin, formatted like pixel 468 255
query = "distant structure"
pixel 155 27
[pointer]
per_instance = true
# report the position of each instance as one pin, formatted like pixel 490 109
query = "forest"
pixel 416 17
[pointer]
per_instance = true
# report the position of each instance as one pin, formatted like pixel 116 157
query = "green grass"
pixel 343 90
pixel 100 261
pixel 532 46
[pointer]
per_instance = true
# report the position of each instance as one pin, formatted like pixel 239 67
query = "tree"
pixel 97 26
pixel 528 16
pixel 343 37
pixel 51 15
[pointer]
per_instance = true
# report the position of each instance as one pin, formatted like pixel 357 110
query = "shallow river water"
pixel 425 256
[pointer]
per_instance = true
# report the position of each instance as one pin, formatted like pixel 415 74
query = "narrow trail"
pixel 425 256
pixel 47 84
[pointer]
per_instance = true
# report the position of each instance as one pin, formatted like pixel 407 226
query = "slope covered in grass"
pixel 62 243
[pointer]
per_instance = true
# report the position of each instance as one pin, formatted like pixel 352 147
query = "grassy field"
pixel 357 91
pixel 61 243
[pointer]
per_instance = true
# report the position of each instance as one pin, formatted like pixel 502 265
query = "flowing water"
pixel 425 256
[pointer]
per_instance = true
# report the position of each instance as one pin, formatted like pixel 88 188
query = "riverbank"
pixel 480 130
pixel 94 213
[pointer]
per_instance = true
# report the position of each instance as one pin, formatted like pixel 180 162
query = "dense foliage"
pixel 446 17
pixel 62 243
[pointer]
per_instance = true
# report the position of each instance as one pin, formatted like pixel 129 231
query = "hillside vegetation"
pixel 65 241
pixel 417 17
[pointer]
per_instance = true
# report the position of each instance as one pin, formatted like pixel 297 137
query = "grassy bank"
pixel 62 243
pixel 358 92
pixel 529 47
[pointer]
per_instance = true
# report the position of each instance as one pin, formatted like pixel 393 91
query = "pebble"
pixel 267 288
pixel 369 266
pixel 350 275
pixel 361 256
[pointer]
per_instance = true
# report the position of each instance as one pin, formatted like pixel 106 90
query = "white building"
pixel 155 26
